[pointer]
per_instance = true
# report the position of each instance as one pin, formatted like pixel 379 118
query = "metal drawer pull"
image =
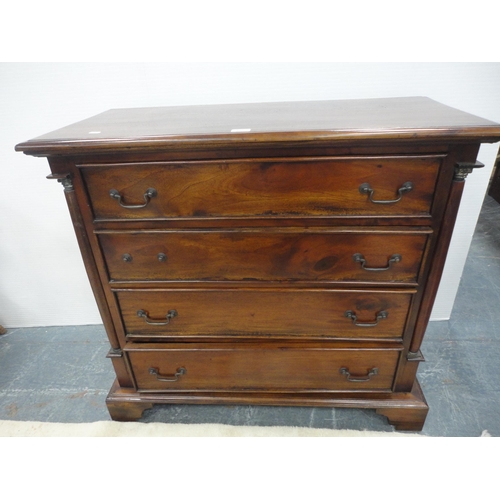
pixel 162 257
pixel 393 259
pixel 126 257
pixel 370 374
pixel 352 315
pixel 150 193
pixel 169 378
pixel 143 314
pixel 365 188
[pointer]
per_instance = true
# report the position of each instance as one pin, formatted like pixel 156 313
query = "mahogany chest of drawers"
pixel 277 253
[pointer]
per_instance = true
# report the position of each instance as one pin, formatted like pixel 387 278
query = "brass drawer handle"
pixel 358 257
pixel 365 188
pixel 352 315
pixel 168 378
pixel 150 193
pixel 143 314
pixel 369 375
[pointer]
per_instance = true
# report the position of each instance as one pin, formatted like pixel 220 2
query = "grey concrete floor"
pixel 61 374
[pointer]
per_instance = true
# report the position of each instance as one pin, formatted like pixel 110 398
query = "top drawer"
pixel 309 187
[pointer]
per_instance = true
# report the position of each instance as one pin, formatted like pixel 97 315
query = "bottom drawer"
pixel 254 367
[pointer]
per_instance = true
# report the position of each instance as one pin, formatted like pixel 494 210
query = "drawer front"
pixel 242 367
pixel 263 188
pixel 304 313
pixel 264 255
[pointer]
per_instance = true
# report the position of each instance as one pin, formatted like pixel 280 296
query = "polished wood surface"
pixel 402 118
pixel 405 410
pixel 272 187
pixel 260 271
pixel 285 255
pixel 254 367
pixel 295 313
pixel 438 263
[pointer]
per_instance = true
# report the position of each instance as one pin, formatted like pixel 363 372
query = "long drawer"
pixel 275 255
pixel 271 367
pixel 378 185
pixel 307 313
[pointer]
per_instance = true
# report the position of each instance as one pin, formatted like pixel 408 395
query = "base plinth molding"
pixel 405 410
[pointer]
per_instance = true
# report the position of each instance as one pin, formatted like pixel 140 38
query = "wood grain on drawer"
pixel 307 313
pixel 287 255
pixel 263 187
pixel 235 367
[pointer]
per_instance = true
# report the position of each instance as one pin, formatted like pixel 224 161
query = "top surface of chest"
pixel 409 118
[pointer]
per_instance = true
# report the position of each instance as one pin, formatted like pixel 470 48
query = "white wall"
pixel 42 278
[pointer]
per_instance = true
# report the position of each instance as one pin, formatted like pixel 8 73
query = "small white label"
pixel 95 132
pixel 241 129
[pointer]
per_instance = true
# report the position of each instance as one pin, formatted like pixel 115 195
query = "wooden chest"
pixel 278 253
